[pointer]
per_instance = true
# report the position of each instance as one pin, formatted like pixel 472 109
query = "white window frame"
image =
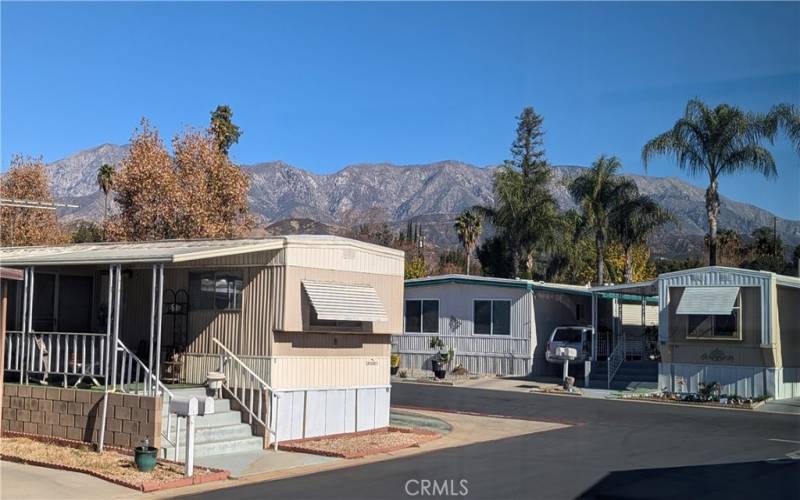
pixel 421 309
pixel 491 319
pixel 737 308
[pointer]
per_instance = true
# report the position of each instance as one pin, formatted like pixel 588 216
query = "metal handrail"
pixel 240 362
pixel 37 332
pixel 616 358
pixel 158 385
pixel 248 378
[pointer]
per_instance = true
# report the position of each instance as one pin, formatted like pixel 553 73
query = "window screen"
pixel 482 315
pixel 413 316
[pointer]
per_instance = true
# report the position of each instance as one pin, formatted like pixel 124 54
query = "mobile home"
pixel 494 325
pixel 299 325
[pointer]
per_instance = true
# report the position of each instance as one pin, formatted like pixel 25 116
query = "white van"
pixel 577 337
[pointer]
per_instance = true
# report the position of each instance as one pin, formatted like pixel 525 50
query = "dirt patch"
pixel 361 444
pixel 113 465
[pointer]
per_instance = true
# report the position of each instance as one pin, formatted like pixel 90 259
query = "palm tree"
pixel 633 220
pixel 718 141
pixel 597 191
pixel 729 247
pixel 468 229
pixel 787 117
pixel 105 179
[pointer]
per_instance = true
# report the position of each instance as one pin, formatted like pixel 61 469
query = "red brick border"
pixel 146 486
pixel 298 445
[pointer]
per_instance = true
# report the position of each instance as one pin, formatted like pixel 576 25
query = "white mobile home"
pixel 495 325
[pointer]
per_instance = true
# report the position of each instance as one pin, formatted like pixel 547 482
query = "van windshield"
pixel 568 335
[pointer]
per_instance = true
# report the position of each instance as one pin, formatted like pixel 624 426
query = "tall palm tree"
pixel 105 179
pixel 633 220
pixel 468 228
pixel 716 141
pixel 787 117
pixel 597 191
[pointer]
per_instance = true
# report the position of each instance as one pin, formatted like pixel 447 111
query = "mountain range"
pixel 291 199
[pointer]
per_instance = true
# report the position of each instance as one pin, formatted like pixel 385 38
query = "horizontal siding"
pixel 331 344
pixel 315 372
pixel 344 257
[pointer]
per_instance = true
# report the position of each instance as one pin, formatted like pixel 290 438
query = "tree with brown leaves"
pixel 197 194
pixel 27 180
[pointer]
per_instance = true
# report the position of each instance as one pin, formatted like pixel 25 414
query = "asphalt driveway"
pixel 613 449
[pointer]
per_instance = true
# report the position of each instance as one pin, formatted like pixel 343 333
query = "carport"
pixel 622 343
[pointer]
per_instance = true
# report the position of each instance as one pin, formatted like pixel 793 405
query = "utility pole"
pixel 774 236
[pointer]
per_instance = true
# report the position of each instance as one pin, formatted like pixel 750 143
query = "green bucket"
pixel 145 457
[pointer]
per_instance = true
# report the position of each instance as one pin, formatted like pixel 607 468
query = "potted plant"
pixel 395 366
pixel 440 358
pixel 144 456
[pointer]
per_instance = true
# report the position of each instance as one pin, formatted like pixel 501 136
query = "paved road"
pixel 615 449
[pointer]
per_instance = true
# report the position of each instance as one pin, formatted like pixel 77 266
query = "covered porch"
pixel 625 322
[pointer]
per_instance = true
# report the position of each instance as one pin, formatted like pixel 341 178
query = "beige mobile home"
pixel 737 327
pixel 299 325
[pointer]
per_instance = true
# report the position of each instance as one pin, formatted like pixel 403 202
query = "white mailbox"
pixel 184 407
pixel 569 353
pixel 190 408
pixel 205 406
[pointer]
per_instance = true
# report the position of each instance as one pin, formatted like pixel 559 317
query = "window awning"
pixel 342 302
pixel 708 300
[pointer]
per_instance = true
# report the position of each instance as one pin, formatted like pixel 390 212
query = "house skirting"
pixel 487 364
pixel 745 381
pixel 306 413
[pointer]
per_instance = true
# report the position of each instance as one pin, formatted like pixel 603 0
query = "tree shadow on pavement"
pixel 765 479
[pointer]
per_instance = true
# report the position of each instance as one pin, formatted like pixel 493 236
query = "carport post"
pixel 150 383
pixel 110 303
pixel 25 314
pixel 594 326
pixel 158 323
pixel 117 289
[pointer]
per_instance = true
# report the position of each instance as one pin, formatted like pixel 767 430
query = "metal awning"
pixel 344 302
pixel 708 300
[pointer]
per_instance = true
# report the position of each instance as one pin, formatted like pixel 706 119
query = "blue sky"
pixel 324 85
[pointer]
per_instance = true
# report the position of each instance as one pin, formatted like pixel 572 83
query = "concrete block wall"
pixel 76 414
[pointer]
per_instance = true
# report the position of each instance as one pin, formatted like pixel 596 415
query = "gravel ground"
pixel 109 463
pixel 366 444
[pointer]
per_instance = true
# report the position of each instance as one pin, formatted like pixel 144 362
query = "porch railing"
pixel 149 386
pixel 616 357
pixel 81 355
pixel 248 389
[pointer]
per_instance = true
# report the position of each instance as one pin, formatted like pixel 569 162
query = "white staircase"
pixel 217 434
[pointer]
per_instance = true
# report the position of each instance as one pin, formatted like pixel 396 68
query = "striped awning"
pixel 708 300
pixel 344 302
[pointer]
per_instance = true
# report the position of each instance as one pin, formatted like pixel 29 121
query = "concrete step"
pixel 219 447
pixel 216 433
pixel 213 420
